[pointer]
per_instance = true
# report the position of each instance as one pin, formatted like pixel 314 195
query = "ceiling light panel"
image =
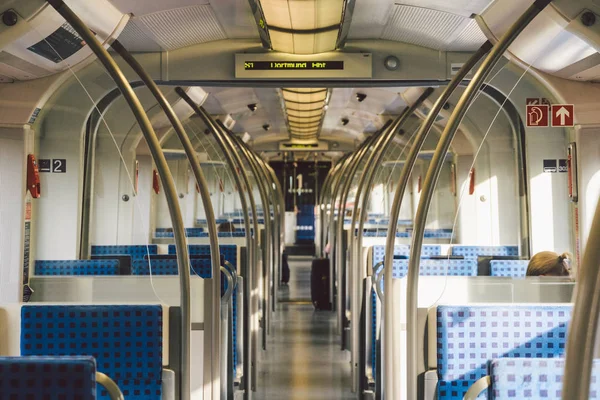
pixel 302 14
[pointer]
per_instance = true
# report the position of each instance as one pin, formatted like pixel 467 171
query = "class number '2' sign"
pixel 55 165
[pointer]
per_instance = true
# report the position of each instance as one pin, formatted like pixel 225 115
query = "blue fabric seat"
pixel 135 251
pixel 467 267
pixel 125 340
pixel 76 267
pixel 198 266
pixel 42 378
pixel 404 250
pixel 509 268
pixel 475 251
pixel 468 337
pixel 533 378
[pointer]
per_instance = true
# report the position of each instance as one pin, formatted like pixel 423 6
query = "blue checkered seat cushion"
pixel 198 267
pixel 470 336
pixel 427 267
pixel 125 340
pixel 42 378
pixel 475 251
pixel 535 378
pixel 135 251
pixel 76 267
pixel 404 250
pixel 509 268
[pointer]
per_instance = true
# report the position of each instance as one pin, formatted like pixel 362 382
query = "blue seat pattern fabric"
pixel 404 250
pixel 509 268
pixel 135 251
pixel 374 333
pixel 217 221
pixel 76 267
pixel 534 378
pixel 467 267
pixel 168 232
pixel 198 267
pixel 470 336
pixel 475 251
pixel 125 340
pixel 42 378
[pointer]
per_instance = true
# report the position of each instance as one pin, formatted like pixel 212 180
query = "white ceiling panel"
pixel 138 8
pixel 464 8
pixel 369 19
pixel 424 27
pixel 470 39
pixel 236 18
pixel 135 39
pixel 182 27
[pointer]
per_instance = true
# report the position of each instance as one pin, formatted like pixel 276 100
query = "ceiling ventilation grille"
pixel 182 27
pixel 136 40
pixel 470 39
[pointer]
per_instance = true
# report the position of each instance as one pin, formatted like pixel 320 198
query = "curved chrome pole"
pixel 114 392
pixel 250 328
pixel 343 184
pixel 212 346
pixel 411 160
pixel 228 145
pixel 361 203
pixel 431 180
pixel 165 176
pixel 266 265
pixel 584 321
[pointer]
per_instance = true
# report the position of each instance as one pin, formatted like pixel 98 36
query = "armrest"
pixel 111 387
pixel 168 384
pixel 477 388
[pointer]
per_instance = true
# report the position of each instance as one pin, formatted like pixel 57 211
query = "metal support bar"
pixel 347 172
pixel 111 387
pixel 165 176
pixel 265 246
pixel 584 320
pixel 430 183
pixel 250 305
pixel 212 346
pixel 361 202
pixel 403 180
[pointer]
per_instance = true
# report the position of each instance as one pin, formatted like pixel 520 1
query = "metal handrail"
pixel 267 263
pixel 584 320
pixel 250 305
pixel 378 273
pixel 231 268
pixel 403 180
pixel 111 387
pixel 230 286
pixel 480 385
pixel 184 138
pixel 431 180
pixel 164 173
pixel 379 148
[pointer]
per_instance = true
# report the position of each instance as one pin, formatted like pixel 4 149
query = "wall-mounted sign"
pixel 56 165
pixel 538 116
pixel 562 166
pixel 292 66
pixel 537 101
pixel 563 115
pixel 550 166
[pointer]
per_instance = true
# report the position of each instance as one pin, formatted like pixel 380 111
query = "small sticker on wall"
pixel 562 166
pixel 44 165
pixel 550 166
pixel 59 165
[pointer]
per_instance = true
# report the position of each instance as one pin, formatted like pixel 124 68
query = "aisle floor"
pixel 303 358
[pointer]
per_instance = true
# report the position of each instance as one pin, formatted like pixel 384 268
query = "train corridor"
pixel 303 358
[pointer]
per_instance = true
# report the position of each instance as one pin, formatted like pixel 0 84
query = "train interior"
pixel 299 199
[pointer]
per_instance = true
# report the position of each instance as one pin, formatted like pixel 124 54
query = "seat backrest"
pixel 42 378
pixel 475 251
pixel 125 340
pixel 467 267
pixel 533 378
pixel 404 250
pixel 509 268
pixel 135 251
pixel 469 336
pixel 77 267
pixel 229 251
pixel 198 266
